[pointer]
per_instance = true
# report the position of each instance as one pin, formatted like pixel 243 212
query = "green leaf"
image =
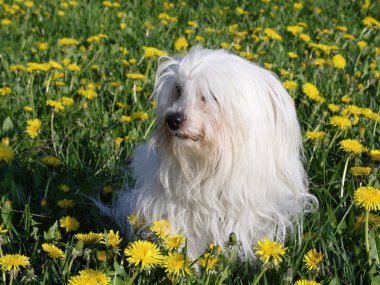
pixel 7 124
pixel 6 214
pixel 374 245
pixel 375 280
pixel 51 233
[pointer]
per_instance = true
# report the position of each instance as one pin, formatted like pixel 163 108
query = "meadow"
pixel 75 85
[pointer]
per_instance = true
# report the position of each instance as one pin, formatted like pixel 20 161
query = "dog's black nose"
pixel 175 120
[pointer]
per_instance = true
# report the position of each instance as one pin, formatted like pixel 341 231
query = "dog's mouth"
pixel 186 135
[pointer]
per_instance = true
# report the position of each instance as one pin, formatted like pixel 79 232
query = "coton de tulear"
pixel 226 155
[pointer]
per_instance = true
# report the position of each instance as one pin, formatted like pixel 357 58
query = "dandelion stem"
pixel 366 236
pixel 344 178
pixel 256 281
pixel 52 132
pixel 132 279
pixel 47 187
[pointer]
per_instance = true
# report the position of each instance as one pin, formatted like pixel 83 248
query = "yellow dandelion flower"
pixel 6 22
pixel 117 142
pixel 290 85
pixel 57 105
pixel 294 29
pixel 375 154
pixel 298 6
pixel 272 34
pixel 28 109
pixel 333 108
pixel 215 248
pixel 340 122
pixel 51 161
pixel 315 135
pixel 208 262
pixel 13 262
pixel 370 22
pixel 56 65
pixel 42 45
pixel 90 238
pixel 292 55
pixel 339 61
pixel 73 67
pixel 199 38
pixel 16 67
pixel 268 65
pixel 90 276
pixel 6 153
pixel 177 265
pixel 33 66
pixel 143 254
pixel 125 119
pixel 135 76
pixel 174 241
pixel 305 37
pixel 88 93
pixel 161 228
pixel 33 127
pixel 113 239
pixel 65 203
pixel 53 251
pixel 312 259
pixel 349 37
pixel 64 188
pixel 269 251
pixel 360 170
pixel 320 61
pixel 307 282
pixel 69 223
pixel 67 101
pixel 362 44
pixel 5 141
pixel 181 44
pixel 101 255
pixel 67 42
pixel 150 52
pixel 5 91
pixel 142 116
pixel 341 28
pixel 367 198
pixel 325 48
pixel 107 188
pixel 351 146
pixel 346 99
pixel 312 92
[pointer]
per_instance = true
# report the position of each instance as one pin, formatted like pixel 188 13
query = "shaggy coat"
pixel 226 155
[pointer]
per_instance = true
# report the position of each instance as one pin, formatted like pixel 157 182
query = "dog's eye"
pixel 177 91
pixel 203 99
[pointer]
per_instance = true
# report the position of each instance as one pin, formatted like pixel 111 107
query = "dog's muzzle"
pixel 175 120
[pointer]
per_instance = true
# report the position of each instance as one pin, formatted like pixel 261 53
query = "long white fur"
pixel 239 168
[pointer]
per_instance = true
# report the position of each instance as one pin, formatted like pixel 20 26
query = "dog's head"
pixel 211 100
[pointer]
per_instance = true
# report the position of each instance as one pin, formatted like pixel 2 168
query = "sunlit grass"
pixel 75 81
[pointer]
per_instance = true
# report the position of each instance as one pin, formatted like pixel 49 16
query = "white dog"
pixel 226 155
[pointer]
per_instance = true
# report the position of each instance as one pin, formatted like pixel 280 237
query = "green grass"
pixel 82 136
